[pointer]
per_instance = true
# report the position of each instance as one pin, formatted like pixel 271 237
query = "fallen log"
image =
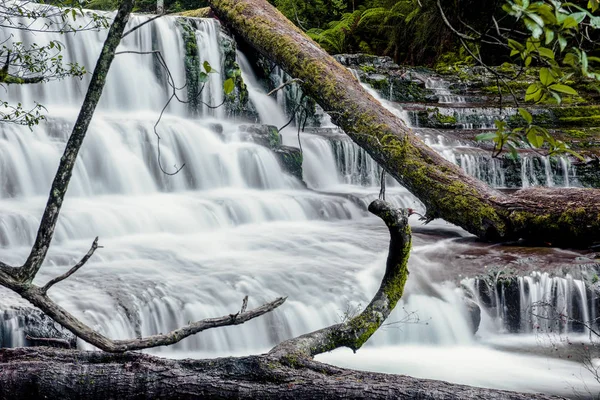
pixel 559 217
pixel 35 373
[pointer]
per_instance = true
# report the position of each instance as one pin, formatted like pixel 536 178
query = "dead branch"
pixel 37 296
pixel 357 330
pixel 284 85
pixel 70 272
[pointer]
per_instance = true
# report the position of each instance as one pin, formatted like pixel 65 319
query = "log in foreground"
pixel 35 373
pixel 564 217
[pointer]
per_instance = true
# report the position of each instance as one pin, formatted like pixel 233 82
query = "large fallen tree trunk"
pixel 62 374
pixel 558 217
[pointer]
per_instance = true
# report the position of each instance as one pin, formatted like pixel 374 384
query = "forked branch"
pixel 70 272
pixel 357 330
pixel 37 296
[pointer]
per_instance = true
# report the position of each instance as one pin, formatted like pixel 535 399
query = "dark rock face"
pixel 474 314
pixel 588 173
pixel 28 321
pixel 290 159
pixel 264 135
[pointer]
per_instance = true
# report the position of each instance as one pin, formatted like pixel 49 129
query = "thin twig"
pixel 70 272
pixel 284 85
pixel 135 28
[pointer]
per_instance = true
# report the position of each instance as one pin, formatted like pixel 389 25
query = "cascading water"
pixel 441 88
pixel 231 223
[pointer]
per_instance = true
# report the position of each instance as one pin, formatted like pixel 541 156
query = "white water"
pixel 231 224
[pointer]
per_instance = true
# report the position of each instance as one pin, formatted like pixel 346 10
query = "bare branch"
pixel 36 296
pixel 449 25
pixel 284 85
pixel 244 304
pixel 74 269
pixel 67 162
pixel 357 330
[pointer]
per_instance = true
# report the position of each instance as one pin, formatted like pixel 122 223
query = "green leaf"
pixel 526 115
pixel 574 153
pixel 579 16
pixel 557 87
pixel 202 77
pixel 513 152
pixel 207 67
pixel 546 53
pixel 562 42
pixel 546 77
pixel 513 44
pixel 228 86
pixel 534 139
pixel 534 92
pixel 549 35
pixel 570 22
pixel 593 5
pixel 486 136
pixel 534 28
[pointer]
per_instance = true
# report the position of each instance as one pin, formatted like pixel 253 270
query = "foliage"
pixel 533 135
pixel 561 38
pixel 34 63
pixel 408 30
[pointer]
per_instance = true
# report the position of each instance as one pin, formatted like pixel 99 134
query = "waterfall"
pixel 540 302
pixel 441 89
pixel 233 222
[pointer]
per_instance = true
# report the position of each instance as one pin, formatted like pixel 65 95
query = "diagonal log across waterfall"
pixel 561 217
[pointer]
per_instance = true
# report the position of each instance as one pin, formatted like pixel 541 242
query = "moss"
pixel 433 118
pixel 555 227
pixel 589 121
pixel 192 64
pixel 204 12
pixel 428 179
pixel 572 112
pixel 577 133
pixel 290 159
pixel 368 69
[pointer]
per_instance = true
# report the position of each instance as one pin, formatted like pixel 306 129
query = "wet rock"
pixel 377 62
pixel 474 314
pixel 588 173
pixel 290 159
pixel 218 129
pixel 19 321
pixel 264 135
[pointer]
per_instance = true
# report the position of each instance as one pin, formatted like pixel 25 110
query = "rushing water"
pixel 233 223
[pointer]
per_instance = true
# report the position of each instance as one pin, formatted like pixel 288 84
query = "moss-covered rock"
pixel 433 118
pixel 264 135
pixel 290 159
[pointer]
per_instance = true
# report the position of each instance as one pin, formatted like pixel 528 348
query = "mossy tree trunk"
pixel 561 217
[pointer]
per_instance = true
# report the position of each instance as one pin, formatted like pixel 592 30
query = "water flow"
pixel 231 224
pixel 441 88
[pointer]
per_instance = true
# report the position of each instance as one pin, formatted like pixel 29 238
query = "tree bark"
pixel 32 373
pixel 555 217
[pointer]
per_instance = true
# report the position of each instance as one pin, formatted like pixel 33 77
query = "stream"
pixel 234 222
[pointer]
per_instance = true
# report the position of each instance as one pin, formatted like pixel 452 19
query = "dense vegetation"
pixel 410 31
